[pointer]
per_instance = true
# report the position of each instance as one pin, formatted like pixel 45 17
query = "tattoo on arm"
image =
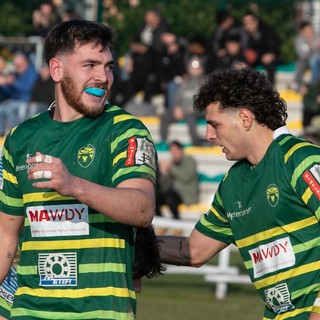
pixel 9 255
pixel 180 245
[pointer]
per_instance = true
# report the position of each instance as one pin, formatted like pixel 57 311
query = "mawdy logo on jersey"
pixel 86 155
pixel 312 178
pixel 272 256
pixel 58 220
pixel 272 194
pixel 278 298
pixel 140 151
pixel 57 269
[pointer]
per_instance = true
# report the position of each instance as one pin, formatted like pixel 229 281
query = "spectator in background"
pixel 178 181
pixel 227 26
pixel 5 72
pixel 312 131
pixel 263 44
pixel 17 88
pixel 146 48
pixel 173 66
pixel 234 56
pixel 42 94
pixel 43 19
pixel 183 101
pixel 307 48
pixel 310 102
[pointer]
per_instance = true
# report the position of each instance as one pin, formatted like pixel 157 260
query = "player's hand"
pixel 52 172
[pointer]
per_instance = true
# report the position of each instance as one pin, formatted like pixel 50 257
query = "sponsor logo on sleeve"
pixel 58 220
pixel 278 298
pixel 140 151
pixel 57 269
pixel 273 256
pixel 312 178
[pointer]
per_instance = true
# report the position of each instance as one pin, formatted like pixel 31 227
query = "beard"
pixel 73 98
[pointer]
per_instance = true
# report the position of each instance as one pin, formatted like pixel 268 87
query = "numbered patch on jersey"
pixel 140 151
pixel 312 178
pixel 58 269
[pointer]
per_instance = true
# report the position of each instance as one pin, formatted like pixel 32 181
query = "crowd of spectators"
pixel 161 62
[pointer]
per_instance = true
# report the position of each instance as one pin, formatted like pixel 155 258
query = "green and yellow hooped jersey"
pixel 75 260
pixel 271 212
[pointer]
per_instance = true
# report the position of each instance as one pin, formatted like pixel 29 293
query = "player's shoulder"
pixel 294 146
pixel 120 117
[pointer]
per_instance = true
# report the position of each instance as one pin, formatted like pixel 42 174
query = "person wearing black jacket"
pixel 263 44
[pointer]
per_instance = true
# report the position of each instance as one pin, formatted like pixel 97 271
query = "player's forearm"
pixel 7 252
pixel 10 227
pixel 174 250
pixel 128 205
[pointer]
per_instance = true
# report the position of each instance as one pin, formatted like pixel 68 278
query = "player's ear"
pixel 246 118
pixel 55 66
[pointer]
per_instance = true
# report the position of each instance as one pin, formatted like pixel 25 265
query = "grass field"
pixel 189 297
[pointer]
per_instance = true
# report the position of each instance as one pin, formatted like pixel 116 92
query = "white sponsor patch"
pixel 317 302
pixel 272 256
pixel 145 152
pixel 59 220
pixel 316 172
pixel 57 269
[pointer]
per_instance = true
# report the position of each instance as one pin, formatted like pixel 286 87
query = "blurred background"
pixel 188 39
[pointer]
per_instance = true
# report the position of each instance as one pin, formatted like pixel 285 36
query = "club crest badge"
pixel 272 194
pixel 86 155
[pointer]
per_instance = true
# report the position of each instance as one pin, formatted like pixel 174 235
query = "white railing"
pixel 222 274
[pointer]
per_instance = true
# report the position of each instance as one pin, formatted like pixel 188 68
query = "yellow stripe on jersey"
pixel 307 195
pixel 214 227
pixel 123 117
pixel 44 196
pixel 74 244
pixel 83 268
pixel 302 167
pixel 264 235
pixel 128 134
pixel 128 170
pixel 215 212
pixel 12 202
pixel 7 156
pixel 310 267
pixel 120 156
pixel 290 314
pixel 9 177
pixel 102 267
pixel 97 314
pixel 76 293
pixel 292 150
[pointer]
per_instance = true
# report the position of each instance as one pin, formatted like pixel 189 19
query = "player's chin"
pixel 94 111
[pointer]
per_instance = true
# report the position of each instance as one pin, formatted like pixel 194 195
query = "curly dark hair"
pixel 147 259
pixel 63 38
pixel 243 88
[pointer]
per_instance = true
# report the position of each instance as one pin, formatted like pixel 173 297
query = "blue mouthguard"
pixel 95 91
